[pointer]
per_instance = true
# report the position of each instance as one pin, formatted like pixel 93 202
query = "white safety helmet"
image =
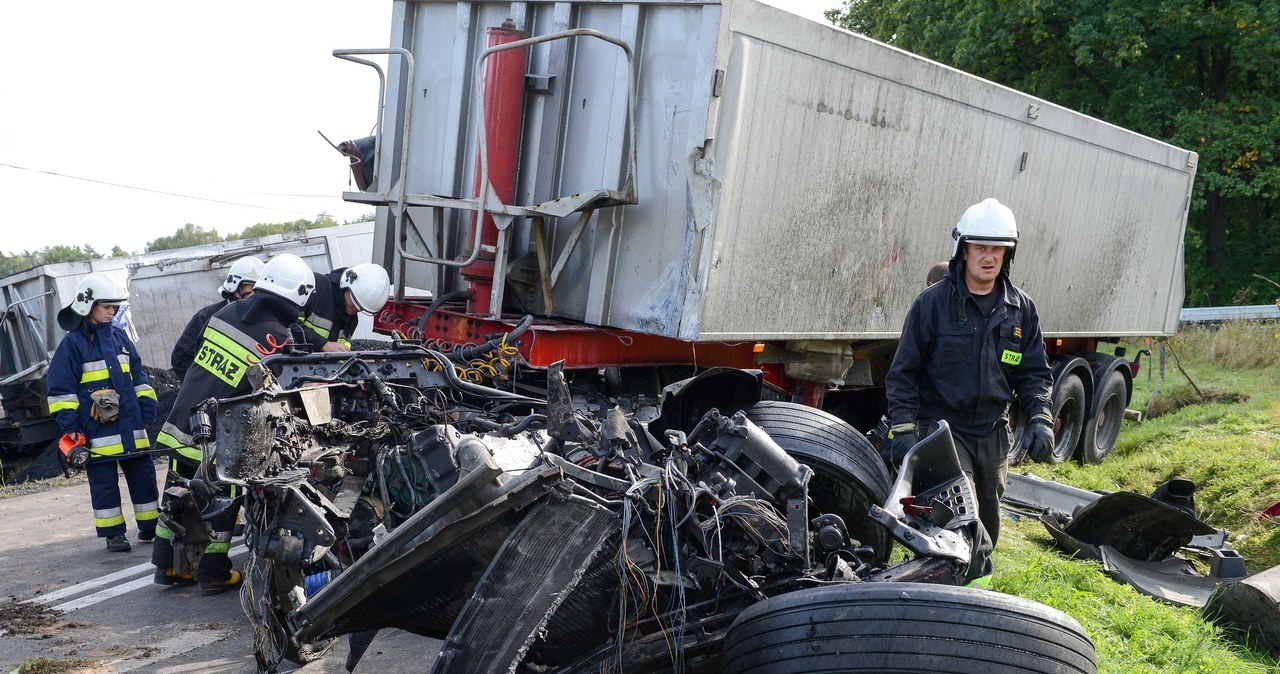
pixel 987 222
pixel 369 285
pixel 100 288
pixel 287 276
pixel 245 270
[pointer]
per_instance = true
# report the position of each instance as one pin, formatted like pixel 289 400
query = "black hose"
pixel 435 304
pixel 509 430
pixel 465 355
pixel 446 366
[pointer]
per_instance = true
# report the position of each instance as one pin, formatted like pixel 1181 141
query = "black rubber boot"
pixel 118 543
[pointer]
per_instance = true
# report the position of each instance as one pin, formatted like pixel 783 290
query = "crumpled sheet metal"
pixel 1172 580
pixel 455 536
pixel 525 585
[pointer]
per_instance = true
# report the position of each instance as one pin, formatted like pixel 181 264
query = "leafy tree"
pixel 1200 75
pixel 18 262
pixel 187 235
pixel 367 217
pixel 63 253
pixel 13 264
pixel 265 229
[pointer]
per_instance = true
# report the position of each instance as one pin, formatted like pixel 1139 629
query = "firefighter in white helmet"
pixel 234 340
pixel 99 393
pixel 333 313
pixel 236 285
pixel 970 347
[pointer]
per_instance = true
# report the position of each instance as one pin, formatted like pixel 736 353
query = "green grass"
pixel 54 666
pixel 1231 450
pixel 1132 632
pixel 35 486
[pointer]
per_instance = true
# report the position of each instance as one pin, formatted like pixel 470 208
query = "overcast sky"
pixel 123 121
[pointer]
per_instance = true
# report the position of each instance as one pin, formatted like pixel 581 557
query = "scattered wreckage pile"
pixel 713 532
pixel 1158 545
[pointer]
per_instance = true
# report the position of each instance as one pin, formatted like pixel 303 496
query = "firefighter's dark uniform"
pixel 234 339
pixel 953 363
pixel 325 317
pixel 184 352
pixel 90 358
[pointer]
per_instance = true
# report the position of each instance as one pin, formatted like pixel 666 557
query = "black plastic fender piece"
pixel 723 388
pixel 1031 493
pixel 1137 527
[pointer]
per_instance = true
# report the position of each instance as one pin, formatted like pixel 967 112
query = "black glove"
pixel 902 437
pixel 1037 439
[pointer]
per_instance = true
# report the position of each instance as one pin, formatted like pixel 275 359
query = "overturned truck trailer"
pixel 668 184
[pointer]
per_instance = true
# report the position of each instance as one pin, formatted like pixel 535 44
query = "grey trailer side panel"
pixel 846 163
pixel 795 181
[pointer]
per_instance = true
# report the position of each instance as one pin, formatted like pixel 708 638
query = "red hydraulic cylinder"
pixel 504 73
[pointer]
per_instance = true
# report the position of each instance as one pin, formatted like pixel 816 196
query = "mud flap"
pixel 1031 493
pixel 538 567
pixel 1250 609
pixel 357 644
pixel 1137 527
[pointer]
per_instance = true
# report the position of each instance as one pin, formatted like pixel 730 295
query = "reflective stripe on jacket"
pixel 180 444
pixel 184 351
pixel 94 358
pixel 325 317
pixel 230 345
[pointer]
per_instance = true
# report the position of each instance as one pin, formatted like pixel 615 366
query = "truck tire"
pixel 1102 431
pixel 1068 420
pixel 905 627
pixel 848 474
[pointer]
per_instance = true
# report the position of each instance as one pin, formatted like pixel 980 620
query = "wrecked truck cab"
pixel 382 492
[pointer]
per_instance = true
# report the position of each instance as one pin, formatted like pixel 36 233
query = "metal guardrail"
pixel 1257 312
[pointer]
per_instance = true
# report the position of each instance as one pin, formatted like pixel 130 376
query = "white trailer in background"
pixel 165 289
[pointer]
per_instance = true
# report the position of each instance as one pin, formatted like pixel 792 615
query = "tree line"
pixel 1202 75
pixel 187 235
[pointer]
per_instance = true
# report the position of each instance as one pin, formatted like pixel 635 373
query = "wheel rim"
pixel 1110 418
pixel 1066 428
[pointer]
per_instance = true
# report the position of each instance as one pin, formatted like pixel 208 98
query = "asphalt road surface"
pixel 63 597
